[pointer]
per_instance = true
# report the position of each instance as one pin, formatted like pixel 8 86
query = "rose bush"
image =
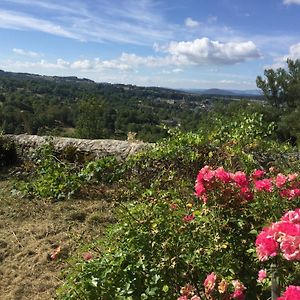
pixel 170 238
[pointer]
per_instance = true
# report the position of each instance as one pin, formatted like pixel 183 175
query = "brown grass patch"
pixel 30 230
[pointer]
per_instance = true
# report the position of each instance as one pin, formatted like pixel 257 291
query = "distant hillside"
pixel 71 106
pixel 218 92
pixel 160 92
pixel 24 76
pixel 79 107
pixel 222 92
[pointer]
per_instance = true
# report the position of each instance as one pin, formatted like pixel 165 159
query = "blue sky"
pixel 177 44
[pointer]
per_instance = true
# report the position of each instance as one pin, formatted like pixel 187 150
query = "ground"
pixel 30 231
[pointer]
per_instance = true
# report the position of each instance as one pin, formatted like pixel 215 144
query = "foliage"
pixel 168 239
pixel 51 177
pixel 242 140
pixel 105 170
pixel 245 143
pixel 8 154
pixel 170 161
pixel 89 123
pixel 281 87
pixel 280 242
pixel 63 105
pixel 165 237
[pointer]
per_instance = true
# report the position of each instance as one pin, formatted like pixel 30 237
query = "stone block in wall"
pixel 91 149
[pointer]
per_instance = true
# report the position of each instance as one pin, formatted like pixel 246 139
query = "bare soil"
pixel 30 231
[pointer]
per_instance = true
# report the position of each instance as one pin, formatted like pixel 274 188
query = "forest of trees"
pixel 79 107
pixel 74 107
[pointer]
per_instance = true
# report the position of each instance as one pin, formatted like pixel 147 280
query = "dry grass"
pixel 30 230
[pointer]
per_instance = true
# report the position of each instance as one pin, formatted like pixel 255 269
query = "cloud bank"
pixel 176 55
pixel 206 51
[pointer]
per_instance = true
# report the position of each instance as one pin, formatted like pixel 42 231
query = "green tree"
pixel 281 87
pixel 89 122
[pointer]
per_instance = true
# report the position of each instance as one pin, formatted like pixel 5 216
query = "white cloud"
pixel 173 71
pixel 177 70
pixel 148 61
pixel 294 52
pixel 19 66
pixel 133 22
pixel 287 2
pixel 115 71
pixel 280 61
pixel 25 52
pixel 205 51
pixel 226 81
pixel 50 6
pixel 18 21
pixel 177 55
pixel 84 64
pixel 199 52
pixel 174 58
pixel 94 65
pixel 189 22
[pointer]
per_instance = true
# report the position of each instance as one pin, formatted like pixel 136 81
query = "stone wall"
pixel 93 149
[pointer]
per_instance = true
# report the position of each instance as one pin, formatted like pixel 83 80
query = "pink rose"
pixel 199 189
pixel 286 194
pixel 266 246
pixel 258 174
pixel 280 180
pixel 290 247
pixel 291 293
pixel 209 282
pixel 290 193
pixel 286 228
pixel 239 289
pixel 222 175
pixel 188 218
pixel 182 298
pixel 292 177
pixel 238 286
pixel 87 256
pixel 292 216
pixel 264 185
pixel 238 294
pixel 262 274
pixel 246 193
pixel 205 174
pixel 240 179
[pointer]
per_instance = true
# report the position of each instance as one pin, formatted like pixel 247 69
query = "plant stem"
pixel 275 288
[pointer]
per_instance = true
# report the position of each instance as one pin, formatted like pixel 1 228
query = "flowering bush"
pixel 169 238
pixel 240 185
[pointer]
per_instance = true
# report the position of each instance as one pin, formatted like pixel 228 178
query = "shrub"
pixel 105 170
pixel 52 178
pixel 168 239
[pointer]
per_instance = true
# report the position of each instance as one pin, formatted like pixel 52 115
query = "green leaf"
pixel 165 288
